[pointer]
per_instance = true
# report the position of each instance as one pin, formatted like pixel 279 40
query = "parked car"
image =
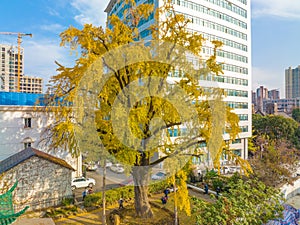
pixel 108 164
pixel 225 170
pixel 91 167
pixel 117 168
pixel 82 182
pixel 127 182
pixel 234 169
pixel 158 176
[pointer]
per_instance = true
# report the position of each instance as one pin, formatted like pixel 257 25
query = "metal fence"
pixel 37 204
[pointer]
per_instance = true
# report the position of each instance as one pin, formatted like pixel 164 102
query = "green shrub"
pixel 67 201
pixel 157 187
pixel 217 183
pixel 127 193
pixel 112 196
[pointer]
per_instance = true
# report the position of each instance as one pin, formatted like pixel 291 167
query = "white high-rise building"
pixel 9 67
pixel 226 21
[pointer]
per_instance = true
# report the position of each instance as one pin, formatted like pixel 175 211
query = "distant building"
pixel 9 72
pixel 274 94
pixel 9 67
pixel 292 82
pixel 23 123
pixel 271 108
pixel 253 95
pixel 283 105
pixel 261 95
pixel 31 85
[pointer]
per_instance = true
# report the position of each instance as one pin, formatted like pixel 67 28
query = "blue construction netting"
pixel 22 99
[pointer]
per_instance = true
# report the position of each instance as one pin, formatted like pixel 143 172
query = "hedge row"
pixel 127 193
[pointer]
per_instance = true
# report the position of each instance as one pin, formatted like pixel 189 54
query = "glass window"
pixel 27 122
pixel 27 145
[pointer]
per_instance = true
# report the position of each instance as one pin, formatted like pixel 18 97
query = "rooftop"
pixel 27 153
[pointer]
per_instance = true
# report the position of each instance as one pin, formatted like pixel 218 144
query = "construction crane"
pixel 20 35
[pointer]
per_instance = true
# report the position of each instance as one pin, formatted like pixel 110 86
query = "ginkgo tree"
pixel 120 89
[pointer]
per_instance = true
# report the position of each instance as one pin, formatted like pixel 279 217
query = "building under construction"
pixel 9 79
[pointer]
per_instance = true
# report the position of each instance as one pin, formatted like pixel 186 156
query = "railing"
pixel 290 191
pixel 37 204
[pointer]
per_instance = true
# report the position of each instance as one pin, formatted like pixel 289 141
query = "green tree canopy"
pixel 296 114
pixel 272 150
pixel 275 127
pixel 247 201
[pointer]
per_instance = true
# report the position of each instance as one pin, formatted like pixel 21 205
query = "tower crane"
pixel 20 35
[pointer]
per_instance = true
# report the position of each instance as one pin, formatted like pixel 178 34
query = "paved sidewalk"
pixel 34 221
pixel 90 218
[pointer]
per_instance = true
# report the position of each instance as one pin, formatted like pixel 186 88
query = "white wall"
pixel 13 133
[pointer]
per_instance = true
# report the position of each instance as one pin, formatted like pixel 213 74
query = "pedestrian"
pixel 206 188
pixel 121 204
pixel 218 190
pixel 74 197
pixel 84 194
pixel 166 192
pixel 90 191
pixel 164 200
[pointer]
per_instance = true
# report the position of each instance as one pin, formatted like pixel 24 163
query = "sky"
pixel 275 34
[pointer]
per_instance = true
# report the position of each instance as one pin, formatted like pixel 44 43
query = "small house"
pixel 43 180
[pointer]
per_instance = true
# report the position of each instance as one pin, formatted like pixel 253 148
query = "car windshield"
pixel 160 174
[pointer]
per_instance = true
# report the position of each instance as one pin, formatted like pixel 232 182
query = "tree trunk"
pixel 175 204
pixel 103 194
pixel 141 201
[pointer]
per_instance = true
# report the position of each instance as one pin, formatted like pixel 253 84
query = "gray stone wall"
pixel 41 183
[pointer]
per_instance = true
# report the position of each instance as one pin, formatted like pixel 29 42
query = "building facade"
pixel 23 122
pixel 9 72
pixel 9 67
pixel 292 82
pixel 230 23
pixel 31 85
pixel 283 105
pixel 43 180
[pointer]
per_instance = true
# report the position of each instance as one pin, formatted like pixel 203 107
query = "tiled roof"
pixel 27 153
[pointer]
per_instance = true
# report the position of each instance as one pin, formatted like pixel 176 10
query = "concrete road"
pixel 113 180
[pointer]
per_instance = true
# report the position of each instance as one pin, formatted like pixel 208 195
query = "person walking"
pixel 164 200
pixel 121 201
pixel 206 188
pixel 84 194
pixel 218 190
pixel 166 192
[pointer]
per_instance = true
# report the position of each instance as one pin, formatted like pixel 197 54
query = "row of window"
pixel 225 54
pixel 175 132
pixel 235 93
pixel 243 117
pixel 120 13
pixel 211 12
pixel 215 26
pixel 145 33
pixel 234 68
pixel 238 105
pixel 228 92
pixel 224 79
pixel 143 21
pixel 225 41
pixel 216 78
pixel 230 6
